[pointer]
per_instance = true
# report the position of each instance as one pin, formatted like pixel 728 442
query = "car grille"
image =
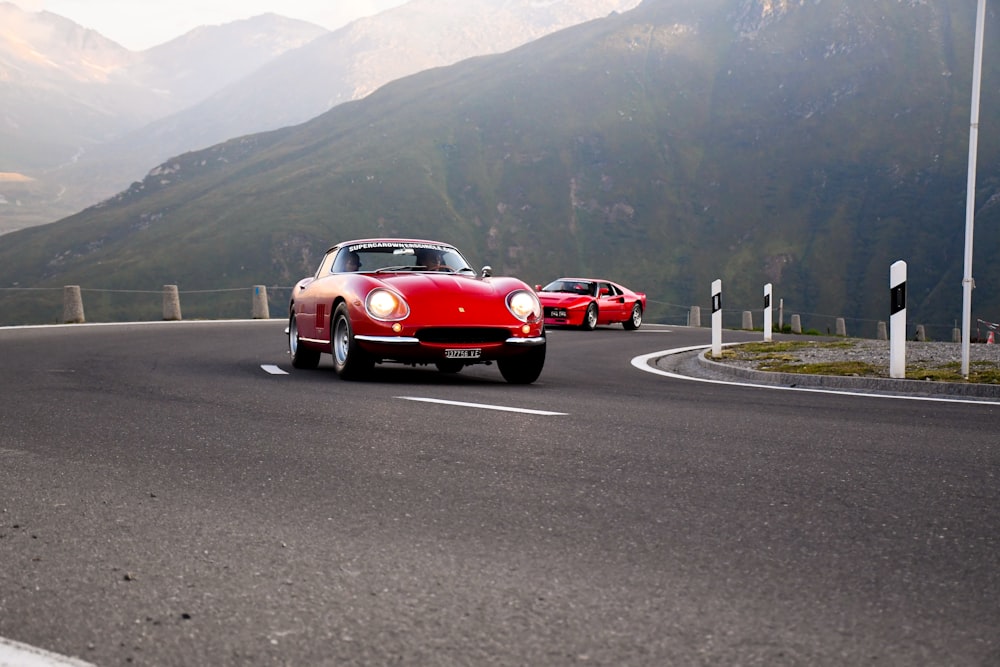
pixel 474 335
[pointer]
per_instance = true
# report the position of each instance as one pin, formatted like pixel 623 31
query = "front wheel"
pixel 349 360
pixel 590 318
pixel 635 319
pixel 524 368
pixel 302 356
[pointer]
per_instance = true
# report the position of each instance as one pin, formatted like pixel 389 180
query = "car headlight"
pixel 383 304
pixel 524 306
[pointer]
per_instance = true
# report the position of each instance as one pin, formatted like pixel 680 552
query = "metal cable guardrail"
pixel 59 305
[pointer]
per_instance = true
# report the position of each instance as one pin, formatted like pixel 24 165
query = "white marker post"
pixel 767 313
pixel 897 320
pixel 717 318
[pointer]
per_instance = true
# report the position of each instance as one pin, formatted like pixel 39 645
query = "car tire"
pixel 590 318
pixel 349 360
pixel 635 320
pixel 524 368
pixel 302 357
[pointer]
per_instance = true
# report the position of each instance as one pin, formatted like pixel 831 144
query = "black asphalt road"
pixel 165 501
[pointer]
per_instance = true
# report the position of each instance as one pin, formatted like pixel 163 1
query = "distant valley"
pixel 78 133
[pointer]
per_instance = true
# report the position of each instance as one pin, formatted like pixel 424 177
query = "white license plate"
pixel 463 354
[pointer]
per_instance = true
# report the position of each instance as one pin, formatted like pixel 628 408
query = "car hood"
pixel 428 282
pixel 437 298
pixel 561 298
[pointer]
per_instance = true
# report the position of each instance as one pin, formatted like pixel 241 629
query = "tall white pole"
pixel 970 199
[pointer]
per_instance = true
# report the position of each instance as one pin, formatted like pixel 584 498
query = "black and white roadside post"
pixel 897 320
pixel 767 312
pixel 717 318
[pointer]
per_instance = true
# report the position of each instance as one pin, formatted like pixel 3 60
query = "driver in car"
pixel 433 260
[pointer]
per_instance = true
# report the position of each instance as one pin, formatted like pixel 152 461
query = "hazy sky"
pixel 140 24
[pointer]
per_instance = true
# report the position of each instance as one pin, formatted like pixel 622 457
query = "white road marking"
pixel 273 370
pixel 16 654
pixel 642 363
pixel 482 406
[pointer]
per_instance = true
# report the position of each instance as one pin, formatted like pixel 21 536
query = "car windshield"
pixel 384 256
pixel 570 287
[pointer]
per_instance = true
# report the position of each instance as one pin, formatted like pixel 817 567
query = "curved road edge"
pixel 687 363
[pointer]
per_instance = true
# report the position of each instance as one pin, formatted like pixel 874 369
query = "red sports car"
pixel 587 302
pixel 414 302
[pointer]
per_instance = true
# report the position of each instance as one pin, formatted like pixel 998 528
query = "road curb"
pixel 922 387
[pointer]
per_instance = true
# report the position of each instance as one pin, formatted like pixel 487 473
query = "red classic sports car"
pixel 587 302
pixel 413 302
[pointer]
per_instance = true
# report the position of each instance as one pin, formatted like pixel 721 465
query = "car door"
pixel 611 303
pixel 313 317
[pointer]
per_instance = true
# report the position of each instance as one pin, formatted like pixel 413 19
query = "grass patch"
pixel 979 371
pixel 788 357
pixel 788 346
pixel 845 368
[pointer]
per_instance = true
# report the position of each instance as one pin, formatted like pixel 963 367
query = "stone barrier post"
pixel 841 327
pixel 921 333
pixel 171 303
pixel 956 335
pixel 882 335
pixel 796 324
pixel 72 305
pixel 260 309
pixel 694 316
pixel 748 320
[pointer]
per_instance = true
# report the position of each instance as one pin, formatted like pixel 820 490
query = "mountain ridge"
pixel 254 75
pixel 664 147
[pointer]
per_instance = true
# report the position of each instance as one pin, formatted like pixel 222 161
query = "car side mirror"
pixel 538 288
pixel 487 271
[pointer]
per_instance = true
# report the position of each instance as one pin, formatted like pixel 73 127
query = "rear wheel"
pixel 302 356
pixel 590 318
pixel 635 319
pixel 524 368
pixel 349 360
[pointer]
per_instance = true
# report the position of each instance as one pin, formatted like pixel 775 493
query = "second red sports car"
pixel 588 302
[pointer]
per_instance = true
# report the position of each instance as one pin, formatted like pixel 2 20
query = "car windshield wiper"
pixel 387 269
pixel 440 269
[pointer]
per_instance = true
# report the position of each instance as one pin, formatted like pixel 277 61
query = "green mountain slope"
pixel 805 144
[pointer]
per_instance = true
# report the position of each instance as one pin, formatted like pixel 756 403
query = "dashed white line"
pixel 273 370
pixel 482 406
